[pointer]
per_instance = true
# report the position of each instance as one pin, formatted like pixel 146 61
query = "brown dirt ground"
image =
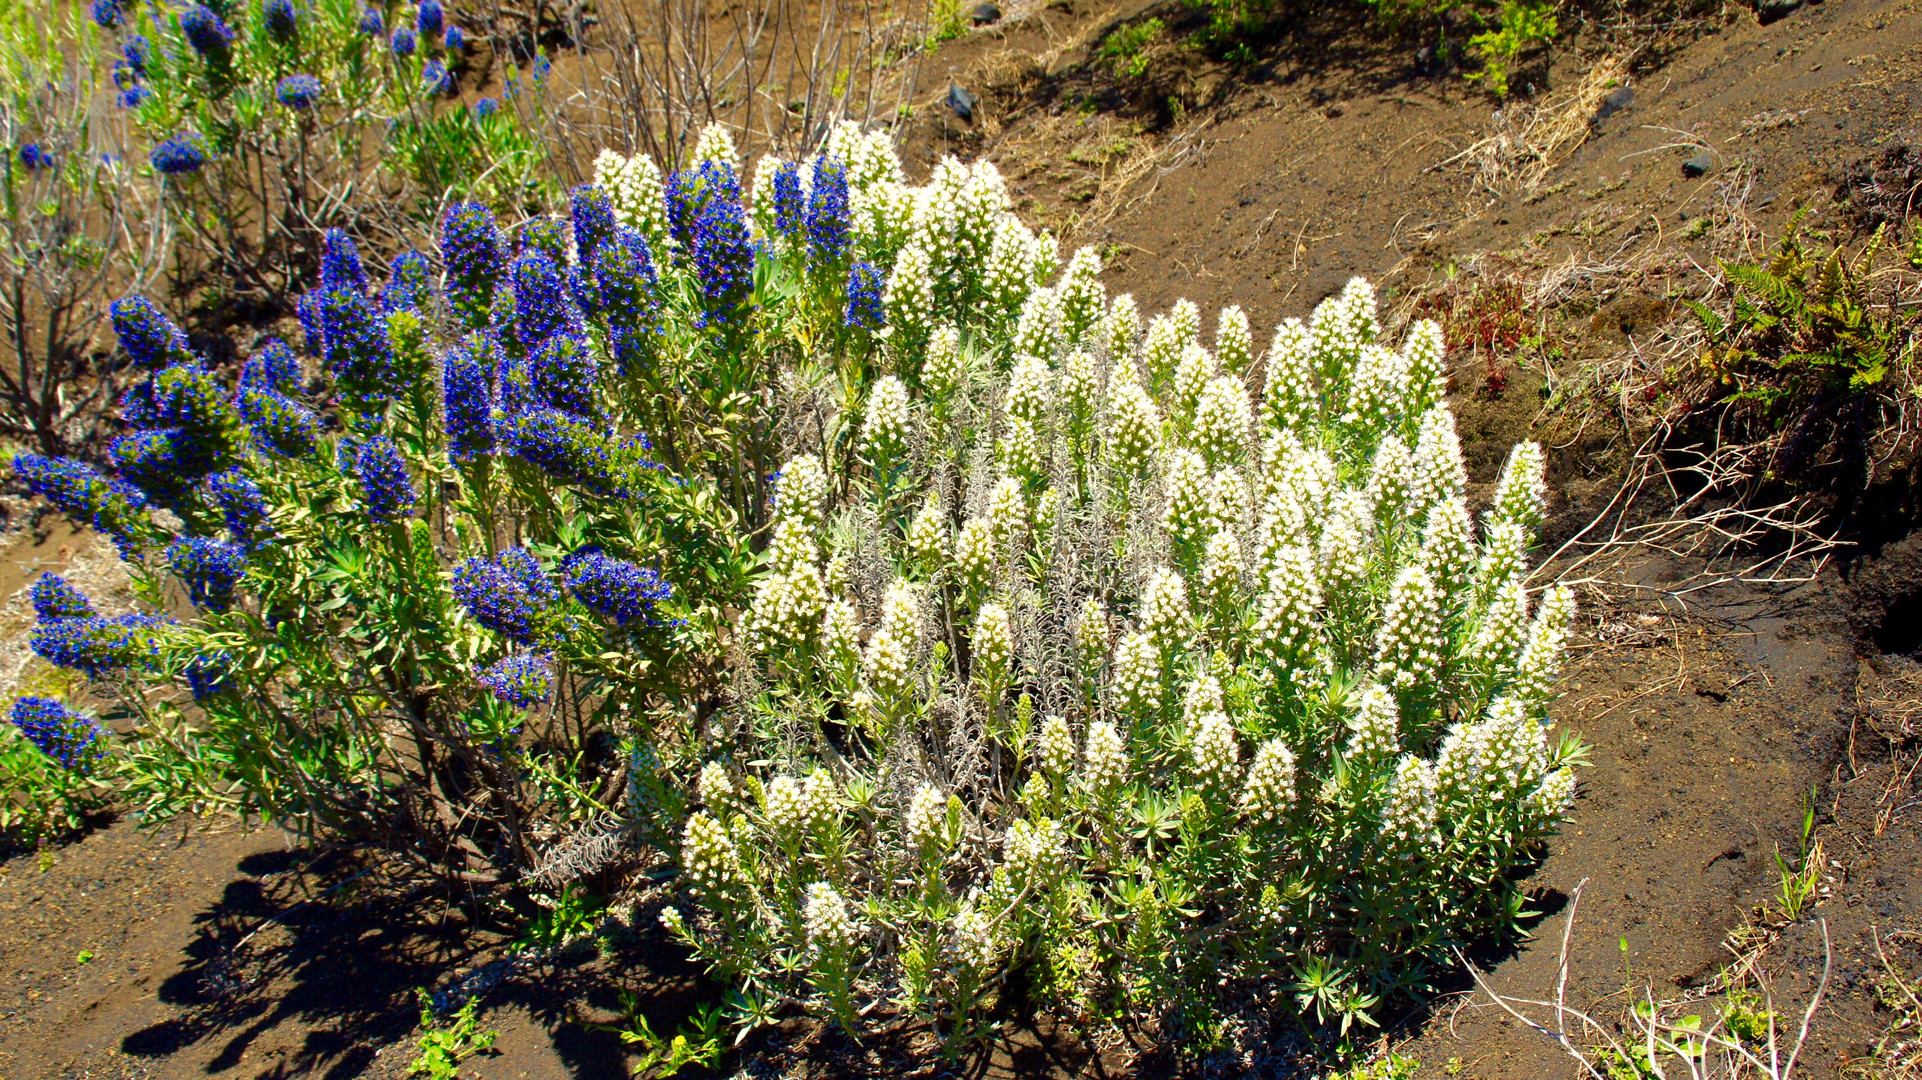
pixel 217 951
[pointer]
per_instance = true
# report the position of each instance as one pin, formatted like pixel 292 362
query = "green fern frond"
pixel 1712 323
pixel 1782 295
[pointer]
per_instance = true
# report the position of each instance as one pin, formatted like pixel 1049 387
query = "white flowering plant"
pixel 1075 655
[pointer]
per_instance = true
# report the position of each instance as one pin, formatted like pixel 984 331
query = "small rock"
pixel 961 103
pixel 1770 10
pixel 984 15
pixel 1618 99
pixel 1699 165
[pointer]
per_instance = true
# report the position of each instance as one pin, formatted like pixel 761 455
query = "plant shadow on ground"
pixel 318 946
pixel 326 949
pixel 320 951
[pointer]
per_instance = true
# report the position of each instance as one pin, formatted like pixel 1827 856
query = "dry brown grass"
pixel 1526 140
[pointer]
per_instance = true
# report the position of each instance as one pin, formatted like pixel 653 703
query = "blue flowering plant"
pixel 437 579
pixel 54 764
pixel 72 219
pixel 259 117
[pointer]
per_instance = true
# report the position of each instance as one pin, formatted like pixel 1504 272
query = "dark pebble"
pixel 961 103
pixel 1618 99
pixel 1699 165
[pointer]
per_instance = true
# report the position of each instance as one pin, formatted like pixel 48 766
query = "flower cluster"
pixel 76 742
pixel 509 594
pixel 209 568
pixel 298 92
pixel 522 680
pixel 179 155
pixel 614 588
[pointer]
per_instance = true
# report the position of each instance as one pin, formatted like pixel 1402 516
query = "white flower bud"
pixel 1541 660
pixel 794 544
pixel 1339 327
pixel 1010 273
pixel 1520 491
pixel 1270 792
pixel 1041 523
pixel 716 788
pixel 1448 545
pixel 1440 472
pixel 1221 571
pixel 928 534
pixel 1161 350
pixel 1134 427
pixel 1007 509
pixel 1030 388
pixel 1215 750
pixel 1503 629
pixel 888 425
pixel 1091 636
pixel 822 798
pixel 1410 813
pixel 840 636
pixel 1424 358
pixel 1190 516
pixel 993 641
pixel 1164 613
pixel 1375 393
pixel 1078 389
pixel 1032 850
pixel 1285 623
pixel 1555 795
pixel 974 553
pixel 1082 295
pixel 890 656
pixel 1374 731
pixel 868 155
pixel 1346 547
pixel 908 298
pixel 1504 557
pixel 1193 368
pixel 1410 643
pixel 1389 473
pixel 1038 330
pixel 1290 401
pixel 1234 343
pixel 1104 760
pixel 825 919
pixel 979 935
pixel 801 491
pixel 634 187
pixel 1119 329
pixel 1185 317
pixel 787 609
pixel 1054 746
pixel 1222 422
pixel 716 144
pixel 927 821
pixel 1137 674
pixel 709 856
pixel 787 808
pixel 1021 453
pixel 944 374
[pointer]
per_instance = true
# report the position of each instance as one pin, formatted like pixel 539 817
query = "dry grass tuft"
pixel 1527 140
